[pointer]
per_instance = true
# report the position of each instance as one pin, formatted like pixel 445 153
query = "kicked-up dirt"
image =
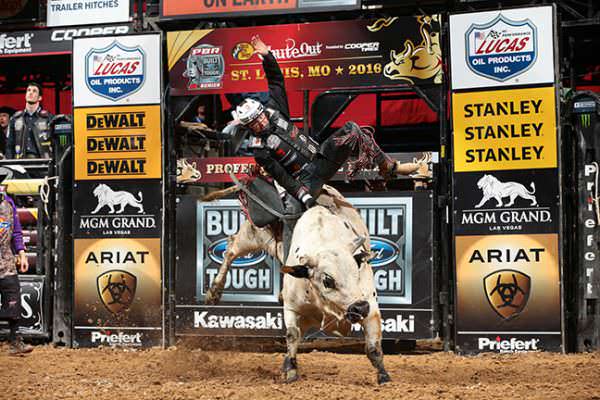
pixel 188 373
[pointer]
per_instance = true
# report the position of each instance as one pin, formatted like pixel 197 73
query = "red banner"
pixel 217 169
pixel 384 52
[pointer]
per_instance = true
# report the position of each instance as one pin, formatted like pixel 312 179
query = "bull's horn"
pixel 393 54
pixel 357 243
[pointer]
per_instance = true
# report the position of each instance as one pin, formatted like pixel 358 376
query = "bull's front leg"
pixel 293 336
pixel 372 329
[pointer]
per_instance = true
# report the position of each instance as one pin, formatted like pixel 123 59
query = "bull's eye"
pixel 328 282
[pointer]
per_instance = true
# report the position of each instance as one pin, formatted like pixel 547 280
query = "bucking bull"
pixel 328 280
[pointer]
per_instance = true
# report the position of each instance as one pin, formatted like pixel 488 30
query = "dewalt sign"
pixel 505 130
pixel 118 143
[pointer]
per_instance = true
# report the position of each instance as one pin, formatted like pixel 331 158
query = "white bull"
pixel 328 282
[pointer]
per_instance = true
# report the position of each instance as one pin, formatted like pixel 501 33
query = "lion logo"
pixel 492 188
pixel 110 198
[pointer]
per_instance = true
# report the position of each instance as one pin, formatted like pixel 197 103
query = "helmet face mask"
pixel 251 113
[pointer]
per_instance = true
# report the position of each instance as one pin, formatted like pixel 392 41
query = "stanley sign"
pixel 505 130
pixel 118 143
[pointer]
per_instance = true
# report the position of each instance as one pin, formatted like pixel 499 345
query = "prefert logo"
pixel 507 345
pixel 120 339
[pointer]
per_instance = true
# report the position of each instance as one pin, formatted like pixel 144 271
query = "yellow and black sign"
pixel 118 143
pixel 508 283
pixel 117 282
pixel 504 129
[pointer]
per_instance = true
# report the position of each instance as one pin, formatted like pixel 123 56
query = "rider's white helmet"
pixel 249 110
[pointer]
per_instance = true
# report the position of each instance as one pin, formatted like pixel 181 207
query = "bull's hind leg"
pixel 372 328
pixel 242 243
pixel 293 336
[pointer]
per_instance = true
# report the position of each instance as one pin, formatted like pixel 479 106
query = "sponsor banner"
pixel 402 324
pixel 117 209
pixel 507 285
pixel 216 169
pixel 588 227
pixel 134 337
pixel 230 320
pixel 392 51
pixel 500 202
pixel 506 129
pixel 117 283
pixel 74 12
pixel 502 48
pixel 253 278
pixel 33 318
pixel 509 342
pixel 42 42
pixel 118 143
pixel 122 70
pixel 170 9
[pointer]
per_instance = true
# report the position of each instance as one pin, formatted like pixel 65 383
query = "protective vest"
pixel 40 125
pixel 290 147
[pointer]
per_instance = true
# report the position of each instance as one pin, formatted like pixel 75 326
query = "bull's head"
pixel 338 276
pixel 187 172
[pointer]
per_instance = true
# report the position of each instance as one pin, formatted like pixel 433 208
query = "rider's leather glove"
pixel 306 198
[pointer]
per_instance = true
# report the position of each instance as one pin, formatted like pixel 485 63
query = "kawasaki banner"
pixel 391 51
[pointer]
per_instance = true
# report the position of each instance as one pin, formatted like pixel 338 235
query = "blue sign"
pixel 502 48
pixel 385 251
pixel 116 71
pixel 216 252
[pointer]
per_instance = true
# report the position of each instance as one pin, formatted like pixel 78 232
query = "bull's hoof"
pixel 383 378
pixel 212 296
pixel 290 376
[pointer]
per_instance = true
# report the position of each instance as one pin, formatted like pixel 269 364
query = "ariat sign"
pixel 116 339
pixel 118 143
pixel 268 321
pixel 505 130
pixel 507 345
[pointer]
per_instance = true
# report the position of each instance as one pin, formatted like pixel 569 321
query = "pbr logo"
pixel 502 48
pixel 205 67
pixel 117 290
pixel 116 71
pixel 507 292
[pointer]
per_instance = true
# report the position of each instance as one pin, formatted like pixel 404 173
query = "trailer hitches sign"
pixel 115 71
pixel 501 48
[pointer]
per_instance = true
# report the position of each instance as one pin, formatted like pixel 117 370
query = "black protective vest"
pixel 40 127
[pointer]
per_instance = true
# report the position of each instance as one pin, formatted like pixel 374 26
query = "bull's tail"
pixel 221 193
pixel 532 188
pixel 140 196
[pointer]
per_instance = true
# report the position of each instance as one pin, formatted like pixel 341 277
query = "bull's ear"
pixel 357 243
pixel 297 271
pixel 361 257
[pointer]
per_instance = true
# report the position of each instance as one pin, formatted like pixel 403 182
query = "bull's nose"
pixel 357 311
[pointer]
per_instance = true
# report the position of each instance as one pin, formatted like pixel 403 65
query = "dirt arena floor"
pixel 196 373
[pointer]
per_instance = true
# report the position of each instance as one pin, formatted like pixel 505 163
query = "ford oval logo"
pixel 217 250
pixel 385 251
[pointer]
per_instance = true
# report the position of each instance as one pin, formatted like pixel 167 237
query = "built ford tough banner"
pixel 390 51
pixel 400 227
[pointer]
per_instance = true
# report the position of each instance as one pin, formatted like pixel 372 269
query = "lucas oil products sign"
pixel 117 284
pixel 118 143
pixel 117 208
pixel 123 70
pixel 502 48
pixel 505 130
pixel 508 293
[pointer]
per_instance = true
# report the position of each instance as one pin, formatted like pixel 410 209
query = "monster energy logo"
pixel 586 120
pixel 63 140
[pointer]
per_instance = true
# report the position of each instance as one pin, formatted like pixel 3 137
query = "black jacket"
pixel 31 138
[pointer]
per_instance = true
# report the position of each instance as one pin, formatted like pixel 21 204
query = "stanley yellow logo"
pixel 503 130
pixel 117 290
pixel 118 142
pixel 507 292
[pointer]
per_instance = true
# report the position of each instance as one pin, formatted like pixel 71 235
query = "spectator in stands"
pixel 29 129
pixel 11 242
pixel 5 113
